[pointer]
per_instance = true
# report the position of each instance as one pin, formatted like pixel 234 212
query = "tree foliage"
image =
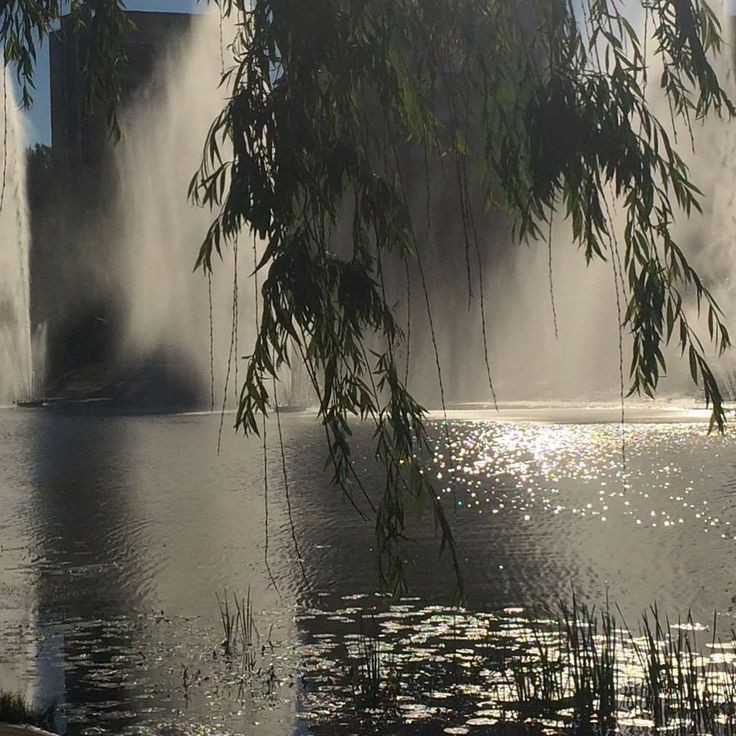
pixel 24 24
pixel 548 100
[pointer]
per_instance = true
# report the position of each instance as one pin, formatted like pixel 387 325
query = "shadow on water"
pixel 132 525
pixel 87 565
pixel 505 559
pixel 80 505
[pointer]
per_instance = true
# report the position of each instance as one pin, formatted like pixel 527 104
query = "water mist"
pixel 554 322
pixel 16 363
pixel 171 320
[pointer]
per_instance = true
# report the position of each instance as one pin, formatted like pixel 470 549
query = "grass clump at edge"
pixel 16 710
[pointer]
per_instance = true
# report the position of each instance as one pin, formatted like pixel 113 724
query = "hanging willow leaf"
pixel 550 105
pixel 329 103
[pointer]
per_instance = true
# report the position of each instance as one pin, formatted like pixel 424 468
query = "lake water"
pixel 118 532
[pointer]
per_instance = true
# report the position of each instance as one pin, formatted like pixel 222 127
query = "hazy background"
pixel 38 118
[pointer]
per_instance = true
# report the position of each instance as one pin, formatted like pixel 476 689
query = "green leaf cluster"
pixel 547 100
pixel 538 109
pixel 24 25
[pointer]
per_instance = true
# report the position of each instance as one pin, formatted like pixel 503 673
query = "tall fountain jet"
pixel 174 317
pixel 16 363
pixel 554 322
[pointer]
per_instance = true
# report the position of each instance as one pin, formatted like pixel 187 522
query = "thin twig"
pixel 481 287
pixel 265 504
pixel 551 279
pixel 236 316
pixel 265 440
pixel 212 342
pixel 299 558
pixel 408 321
pixel 232 352
pixel 5 136
pixel 620 291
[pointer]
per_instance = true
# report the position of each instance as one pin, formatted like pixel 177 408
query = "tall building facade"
pixel 80 134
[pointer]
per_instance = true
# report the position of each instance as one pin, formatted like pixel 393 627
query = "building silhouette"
pixel 80 133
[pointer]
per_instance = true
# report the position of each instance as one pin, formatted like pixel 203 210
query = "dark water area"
pixel 118 533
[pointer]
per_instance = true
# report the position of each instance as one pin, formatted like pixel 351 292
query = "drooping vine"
pixel 532 106
pixel 549 108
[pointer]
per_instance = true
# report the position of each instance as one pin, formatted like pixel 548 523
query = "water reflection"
pixel 120 530
pixel 539 509
pixel 129 528
pixel 85 535
pixel 397 669
pixel 657 528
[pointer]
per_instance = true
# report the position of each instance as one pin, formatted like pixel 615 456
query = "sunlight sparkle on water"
pixel 520 469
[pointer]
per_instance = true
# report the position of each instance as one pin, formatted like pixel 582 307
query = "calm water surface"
pixel 117 533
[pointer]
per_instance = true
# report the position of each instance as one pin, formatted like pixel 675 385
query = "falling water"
pixel 554 322
pixel 15 322
pixel 171 319
pixel 39 349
